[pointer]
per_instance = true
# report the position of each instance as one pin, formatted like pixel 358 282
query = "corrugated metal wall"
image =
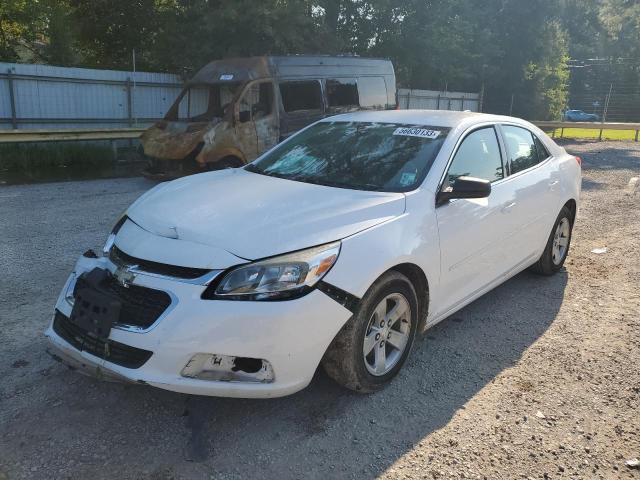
pixel 434 100
pixel 58 97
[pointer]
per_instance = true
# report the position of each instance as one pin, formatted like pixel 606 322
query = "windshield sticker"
pixel 417 132
pixel 407 178
pixel 226 76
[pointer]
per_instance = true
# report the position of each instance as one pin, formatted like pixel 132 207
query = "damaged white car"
pixel 336 247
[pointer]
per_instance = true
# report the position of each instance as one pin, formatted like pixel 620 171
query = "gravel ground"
pixel 539 378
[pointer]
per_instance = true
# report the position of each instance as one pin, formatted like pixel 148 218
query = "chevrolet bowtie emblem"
pixel 125 275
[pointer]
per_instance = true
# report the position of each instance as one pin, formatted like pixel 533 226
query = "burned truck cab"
pixel 233 110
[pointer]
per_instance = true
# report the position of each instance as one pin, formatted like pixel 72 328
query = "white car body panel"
pixel 221 219
pixel 236 210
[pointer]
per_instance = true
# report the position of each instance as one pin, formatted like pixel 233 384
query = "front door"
pixel 474 232
pixel 256 119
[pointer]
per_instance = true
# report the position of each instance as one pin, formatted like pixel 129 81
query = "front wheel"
pixel 374 344
pixel 557 248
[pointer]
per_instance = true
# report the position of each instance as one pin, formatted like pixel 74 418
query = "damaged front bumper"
pixel 274 347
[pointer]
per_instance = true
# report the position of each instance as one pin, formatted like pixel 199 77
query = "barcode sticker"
pixel 417 132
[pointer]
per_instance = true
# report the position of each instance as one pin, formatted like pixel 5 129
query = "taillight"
pixel 579 160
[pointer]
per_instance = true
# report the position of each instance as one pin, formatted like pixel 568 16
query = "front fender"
pixel 409 238
pixel 215 154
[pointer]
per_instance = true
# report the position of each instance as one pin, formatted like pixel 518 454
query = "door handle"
pixel 507 208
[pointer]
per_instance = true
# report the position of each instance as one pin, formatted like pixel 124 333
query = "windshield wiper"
pixel 335 183
pixel 252 168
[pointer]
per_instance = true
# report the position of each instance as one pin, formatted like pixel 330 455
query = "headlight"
pixel 112 236
pixel 278 278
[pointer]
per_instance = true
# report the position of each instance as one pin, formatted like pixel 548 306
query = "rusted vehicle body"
pixel 233 110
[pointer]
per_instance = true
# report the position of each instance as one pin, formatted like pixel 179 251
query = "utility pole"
pixel 135 118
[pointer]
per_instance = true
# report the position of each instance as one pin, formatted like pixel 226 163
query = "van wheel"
pixel 557 248
pixel 226 162
pixel 374 344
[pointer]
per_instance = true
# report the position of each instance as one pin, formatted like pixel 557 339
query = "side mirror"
pixel 244 116
pixel 464 187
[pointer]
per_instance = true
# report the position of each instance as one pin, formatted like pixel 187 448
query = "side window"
pixel 342 92
pixel 478 156
pixel 543 153
pixel 304 95
pixel 521 148
pixel 372 92
pixel 256 102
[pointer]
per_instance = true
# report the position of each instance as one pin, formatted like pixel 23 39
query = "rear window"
pixel 520 147
pixel 303 95
pixel 543 153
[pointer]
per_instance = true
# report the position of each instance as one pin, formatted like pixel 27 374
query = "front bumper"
pixel 292 335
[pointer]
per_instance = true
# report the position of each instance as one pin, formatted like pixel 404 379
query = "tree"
pixel 17 28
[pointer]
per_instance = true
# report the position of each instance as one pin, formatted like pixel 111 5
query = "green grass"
pixel 594 133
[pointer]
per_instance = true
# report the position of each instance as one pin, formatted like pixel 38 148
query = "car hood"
pixel 255 216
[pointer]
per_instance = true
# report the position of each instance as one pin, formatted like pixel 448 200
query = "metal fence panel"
pixel 45 96
pixel 434 100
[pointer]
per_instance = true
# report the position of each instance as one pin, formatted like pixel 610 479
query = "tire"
pixel 345 360
pixel 550 261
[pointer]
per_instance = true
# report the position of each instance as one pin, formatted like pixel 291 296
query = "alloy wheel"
pixel 387 334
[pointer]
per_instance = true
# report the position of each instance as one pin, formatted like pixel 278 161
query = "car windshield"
pixel 356 155
pixel 199 103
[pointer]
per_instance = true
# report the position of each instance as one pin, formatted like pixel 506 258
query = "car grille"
pixel 114 352
pixel 121 259
pixel 141 306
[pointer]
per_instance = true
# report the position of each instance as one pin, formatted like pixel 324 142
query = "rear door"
pixel 535 179
pixel 474 233
pixel 302 104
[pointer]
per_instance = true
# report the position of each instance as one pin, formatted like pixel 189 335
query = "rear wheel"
pixel 374 344
pixel 557 248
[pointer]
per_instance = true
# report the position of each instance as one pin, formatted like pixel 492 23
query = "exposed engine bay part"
pixel 225 368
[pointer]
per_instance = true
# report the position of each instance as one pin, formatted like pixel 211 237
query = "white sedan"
pixel 334 248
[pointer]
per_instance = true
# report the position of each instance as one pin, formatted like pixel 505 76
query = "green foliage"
pixel 17 20
pixel 511 47
pixel 18 157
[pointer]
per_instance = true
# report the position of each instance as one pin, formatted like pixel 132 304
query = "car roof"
pixel 439 118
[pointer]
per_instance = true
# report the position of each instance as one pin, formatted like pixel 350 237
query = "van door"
pixel 302 104
pixel 257 119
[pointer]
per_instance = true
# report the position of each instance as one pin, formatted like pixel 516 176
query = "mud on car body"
pixel 233 110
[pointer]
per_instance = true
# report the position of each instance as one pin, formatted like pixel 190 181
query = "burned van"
pixel 233 110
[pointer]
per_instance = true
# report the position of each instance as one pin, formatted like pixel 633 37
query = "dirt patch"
pixel 537 379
